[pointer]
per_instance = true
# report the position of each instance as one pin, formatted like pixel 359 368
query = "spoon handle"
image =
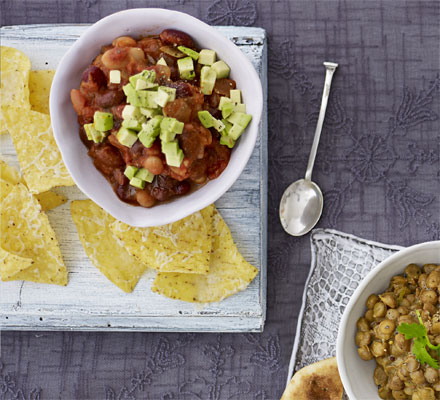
pixel 330 69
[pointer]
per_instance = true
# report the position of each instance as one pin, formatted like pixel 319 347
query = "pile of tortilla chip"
pixel 25 115
pixel 196 258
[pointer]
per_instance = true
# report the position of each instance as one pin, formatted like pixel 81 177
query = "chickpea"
pixel 402 310
pixel 428 268
pixel 398 394
pixel 395 383
pixel 429 307
pixel 435 328
pixel 436 386
pixel 124 41
pixel 433 280
pixel 428 296
pixel 363 338
pixel 412 364
pixel 422 280
pixel 403 372
pixel 431 375
pixel 137 54
pixel 363 325
pixel 425 393
pixel 412 270
pixel 380 377
pixel 369 316
pixel 364 353
pixel 411 297
pixel 371 301
pixel 154 164
pixel 403 344
pixel 384 392
pixel 385 329
pixel 389 300
pixel 392 314
pixel 378 349
pixel 408 319
pixel 115 58
pixel 144 198
pixel 398 281
pixel 408 390
pixel 405 303
pixel 379 310
pixel 417 377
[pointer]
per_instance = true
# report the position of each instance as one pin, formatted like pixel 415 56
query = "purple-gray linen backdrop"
pixel 378 165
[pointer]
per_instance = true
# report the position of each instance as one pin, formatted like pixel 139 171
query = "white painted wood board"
pixel 90 301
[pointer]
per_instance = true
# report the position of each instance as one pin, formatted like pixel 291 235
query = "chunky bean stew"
pixel 158 115
pixel 401 331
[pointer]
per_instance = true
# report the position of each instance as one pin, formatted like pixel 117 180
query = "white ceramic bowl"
pixel 136 22
pixel 357 374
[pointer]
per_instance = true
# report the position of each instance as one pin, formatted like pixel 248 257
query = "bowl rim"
pixel 342 337
pixel 215 190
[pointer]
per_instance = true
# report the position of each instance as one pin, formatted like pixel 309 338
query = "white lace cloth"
pixel 339 262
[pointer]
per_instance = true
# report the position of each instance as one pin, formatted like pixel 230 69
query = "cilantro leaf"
pixel 412 330
pixel 419 350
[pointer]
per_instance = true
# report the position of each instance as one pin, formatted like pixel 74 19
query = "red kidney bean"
pixel 94 78
pixel 175 37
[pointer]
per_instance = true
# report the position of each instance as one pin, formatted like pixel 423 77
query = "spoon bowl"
pixel 301 207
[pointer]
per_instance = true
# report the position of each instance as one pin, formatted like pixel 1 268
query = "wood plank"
pixel 90 301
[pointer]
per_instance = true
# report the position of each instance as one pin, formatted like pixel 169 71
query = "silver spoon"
pixel 302 201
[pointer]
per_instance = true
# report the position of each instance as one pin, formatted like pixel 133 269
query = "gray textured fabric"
pixel 378 166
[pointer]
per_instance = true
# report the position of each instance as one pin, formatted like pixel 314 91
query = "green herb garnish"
pixel 419 333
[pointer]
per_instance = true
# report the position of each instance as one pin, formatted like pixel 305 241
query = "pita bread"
pixel 318 381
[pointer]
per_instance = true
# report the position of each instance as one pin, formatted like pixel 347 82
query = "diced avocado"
pixel 227 141
pixel 146 139
pixel 189 52
pixel 115 76
pixel 207 57
pixel 162 62
pixel 235 95
pixel 235 131
pixel 240 119
pixel 93 134
pixel 131 112
pixel 141 84
pixel 132 97
pixel 138 183
pixel 132 124
pixel 147 98
pixel 171 91
pixel 189 76
pixel 219 126
pixel 144 175
pixel 223 100
pixel 146 75
pixel 228 126
pixel 169 127
pixel 149 112
pixel 186 66
pixel 221 69
pixel 152 127
pixel 103 121
pixel 206 119
pixel 207 80
pixel 130 171
pixel 227 109
pixel 173 154
pixel 162 97
pixel 240 108
pixel 127 137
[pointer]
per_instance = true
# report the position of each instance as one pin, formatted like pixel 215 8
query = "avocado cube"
pixel 171 91
pixel 147 98
pixel 152 127
pixel 240 108
pixel 185 65
pixel 207 57
pixel 206 119
pixel 103 121
pixel 162 97
pixel 146 75
pixel 227 109
pixel 224 100
pixel 173 154
pixel 189 52
pixel 235 131
pixel 144 175
pixel 132 124
pixel 167 136
pixel 227 141
pixel 131 112
pixel 115 76
pixel 150 112
pixel 132 96
pixel 162 62
pixel 141 84
pixel 235 96
pixel 221 69
pixel 88 129
pixel 219 126
pixel 228 126
pixel 130 171
pixel 127 137
pixel 189 76
pixel 240 119
pixel 146 139
pixel 138 183
pixel 93 134
pixel 207 80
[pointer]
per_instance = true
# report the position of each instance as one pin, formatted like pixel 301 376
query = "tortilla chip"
pixel 38 155
pixel 183 246
pixel 3 126
pixel 228 272
pixel 13 60
pixel 50 200
pixel 9 173
pixel 316 381
pixel 39 90
pixel 26 232
pixel 103 249
pixel 12 265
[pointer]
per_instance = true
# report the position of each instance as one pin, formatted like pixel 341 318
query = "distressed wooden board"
pixel 90 301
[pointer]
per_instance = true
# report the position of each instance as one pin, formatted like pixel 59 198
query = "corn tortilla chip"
pixel 13 60
pixel 228 272
pixel 183 246
pixel 26 232
pixel 9 173
pixel 103 249
pixel 38 155
pixel 3 126
pixel 39 90
pixel 11 265
pixel 50 200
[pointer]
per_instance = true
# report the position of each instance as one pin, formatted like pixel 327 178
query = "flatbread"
pixel 228 272
pixel 318 381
